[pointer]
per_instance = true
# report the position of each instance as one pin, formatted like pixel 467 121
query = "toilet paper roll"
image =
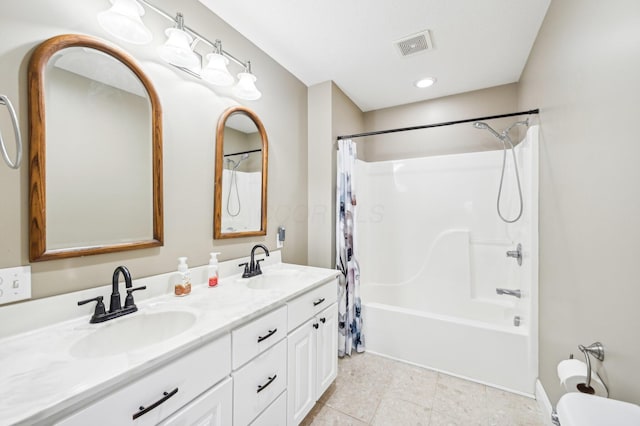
pixel 573 372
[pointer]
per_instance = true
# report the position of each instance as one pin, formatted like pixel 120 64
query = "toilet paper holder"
pixel 597 350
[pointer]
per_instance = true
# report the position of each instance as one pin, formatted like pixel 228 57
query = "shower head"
pixel 517 123
pixel 237 163
pixel 482 125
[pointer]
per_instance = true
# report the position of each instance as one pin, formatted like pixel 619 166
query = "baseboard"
pixel 543 402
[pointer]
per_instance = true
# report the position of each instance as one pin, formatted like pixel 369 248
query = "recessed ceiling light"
pixel 425 82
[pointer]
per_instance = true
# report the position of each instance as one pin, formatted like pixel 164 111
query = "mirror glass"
pixel 241 167
pixel 98 137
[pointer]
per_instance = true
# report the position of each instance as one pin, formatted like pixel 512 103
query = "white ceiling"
pixel 477 43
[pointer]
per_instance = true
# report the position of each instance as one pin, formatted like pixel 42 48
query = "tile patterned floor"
pixel 372 390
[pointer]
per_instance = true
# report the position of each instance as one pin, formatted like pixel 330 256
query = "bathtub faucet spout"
pixel 515 293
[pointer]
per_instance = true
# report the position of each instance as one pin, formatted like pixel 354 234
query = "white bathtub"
pixel 496 355
pixel 432 253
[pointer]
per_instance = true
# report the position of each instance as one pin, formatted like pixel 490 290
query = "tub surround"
pixel 446 283
pixel 45 381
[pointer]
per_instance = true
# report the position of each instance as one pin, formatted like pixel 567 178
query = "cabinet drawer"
pixel 275 415
pixel 212 408
pixel 259 335
pixel 309 304
pixel 258 383
pixel 170 387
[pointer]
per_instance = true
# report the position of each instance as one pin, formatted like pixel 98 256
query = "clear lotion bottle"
pixel 184 286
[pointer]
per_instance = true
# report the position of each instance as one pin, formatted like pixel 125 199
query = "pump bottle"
pixel 212 271
pixel 184 285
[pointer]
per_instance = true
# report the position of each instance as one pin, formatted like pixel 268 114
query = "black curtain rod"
pixel 447 123
pixel 243 152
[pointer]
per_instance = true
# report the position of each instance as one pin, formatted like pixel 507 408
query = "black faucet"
pixel 115 304
pixel 115 307
pixel 252 268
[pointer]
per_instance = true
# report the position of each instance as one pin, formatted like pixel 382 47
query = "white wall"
pixel 583 75
pixel 190 114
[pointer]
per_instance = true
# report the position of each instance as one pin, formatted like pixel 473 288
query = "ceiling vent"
pixel 415 43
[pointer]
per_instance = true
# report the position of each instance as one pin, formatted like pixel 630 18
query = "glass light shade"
pixel 216 70
pixel 246 88
pixel 177 49
pixel 123 21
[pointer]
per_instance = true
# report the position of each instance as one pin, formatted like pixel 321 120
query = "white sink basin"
pixel 272 278
pixel 132 332
pixel 280 272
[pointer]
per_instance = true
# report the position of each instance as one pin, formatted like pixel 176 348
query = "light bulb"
pixel 215 72
pixel 246 88
pixel 177 49
pixel 123 21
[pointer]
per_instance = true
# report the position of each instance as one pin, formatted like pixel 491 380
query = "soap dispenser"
pixel 184 285
pixel 212 271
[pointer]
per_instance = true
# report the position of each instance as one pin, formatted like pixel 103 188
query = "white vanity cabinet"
pixel 312 349
pixel 161 393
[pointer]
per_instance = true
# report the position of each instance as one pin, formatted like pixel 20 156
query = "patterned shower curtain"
pixel 349 305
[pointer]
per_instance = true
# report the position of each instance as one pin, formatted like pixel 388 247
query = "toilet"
pixel 579 409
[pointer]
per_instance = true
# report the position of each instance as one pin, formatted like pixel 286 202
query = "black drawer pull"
pixel 271 333
pixel 263 387
pixel 144 410
pixel 323 320
pixel 319 301
pixel 315 325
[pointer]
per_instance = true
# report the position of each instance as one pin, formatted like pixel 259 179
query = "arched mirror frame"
pixel 217 209
pixel 37 144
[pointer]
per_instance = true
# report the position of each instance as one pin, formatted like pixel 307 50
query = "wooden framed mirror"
pixel 240 196
pixel 95 155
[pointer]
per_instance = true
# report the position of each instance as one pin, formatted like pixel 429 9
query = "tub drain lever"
pixel 506 291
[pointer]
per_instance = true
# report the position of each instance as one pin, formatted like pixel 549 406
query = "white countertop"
pixel 40 378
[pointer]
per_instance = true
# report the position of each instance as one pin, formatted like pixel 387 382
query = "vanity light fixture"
pixel 425 82
pixel 246 88
pixel 177 49
pixel 123 22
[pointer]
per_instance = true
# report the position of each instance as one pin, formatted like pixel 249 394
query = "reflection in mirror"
pixel 241 166
pixel 102 145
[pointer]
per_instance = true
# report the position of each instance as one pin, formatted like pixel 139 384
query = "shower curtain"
pixel 349 305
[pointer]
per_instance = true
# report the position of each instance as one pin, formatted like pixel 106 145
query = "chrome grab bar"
pixel 16 130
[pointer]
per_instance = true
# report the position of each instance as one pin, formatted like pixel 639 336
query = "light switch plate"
pixel 15 284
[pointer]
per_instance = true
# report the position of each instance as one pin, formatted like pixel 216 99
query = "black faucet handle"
pixel 257 269
pixel 100 310
pixel 245 273
pixel 128 301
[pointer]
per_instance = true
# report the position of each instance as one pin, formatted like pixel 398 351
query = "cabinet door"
pixel 327 362
pixel 212 408
pixel 301 374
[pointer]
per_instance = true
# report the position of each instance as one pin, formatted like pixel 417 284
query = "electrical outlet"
pixel 15 284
